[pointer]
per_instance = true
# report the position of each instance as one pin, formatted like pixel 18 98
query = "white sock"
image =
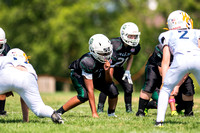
pixel 162 104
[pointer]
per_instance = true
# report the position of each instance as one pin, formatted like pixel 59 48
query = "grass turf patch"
pixel 80 119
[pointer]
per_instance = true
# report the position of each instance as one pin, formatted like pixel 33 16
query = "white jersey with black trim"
pixel 6 61
pixel 181 41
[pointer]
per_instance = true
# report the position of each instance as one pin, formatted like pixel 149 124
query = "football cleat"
pixel 112 115
pixel 140 113
pixel 146 111
pixel 129 108
pixel 100 108
pixel 174 113
pixel 180 112
pixel 159 124
pixel 56 118
pixel 3 113
pixel 189 114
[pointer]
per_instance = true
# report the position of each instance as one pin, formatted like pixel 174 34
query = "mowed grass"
pixel 79 119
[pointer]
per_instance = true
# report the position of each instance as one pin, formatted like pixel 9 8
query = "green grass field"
pixel 79 120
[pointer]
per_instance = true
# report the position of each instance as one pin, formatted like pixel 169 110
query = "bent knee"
pixel 82 99
pixel 113 91
pixel 129 90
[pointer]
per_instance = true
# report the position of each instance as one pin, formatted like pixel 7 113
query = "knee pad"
pixel 129 89
pixel 113 91
pixel 113 96
pixel 82 99
pixel 172 100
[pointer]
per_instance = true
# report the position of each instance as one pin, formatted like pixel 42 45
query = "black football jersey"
pixel 88 64
pixel 122 53
pixel 5 51
pixel 156 57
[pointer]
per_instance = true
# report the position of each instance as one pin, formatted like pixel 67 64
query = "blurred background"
pixel 56 32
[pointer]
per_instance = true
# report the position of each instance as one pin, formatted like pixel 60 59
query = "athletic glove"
pixel 127 75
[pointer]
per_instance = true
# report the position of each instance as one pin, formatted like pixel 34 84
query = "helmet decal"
pixel 18 54
pixel 179 20
pixel 185 16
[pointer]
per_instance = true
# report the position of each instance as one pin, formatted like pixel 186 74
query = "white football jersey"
pixel 6 61
pixel 181 41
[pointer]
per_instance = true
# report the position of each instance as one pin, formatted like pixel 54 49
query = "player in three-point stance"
pixel 4 48
pixel 18 75
pixel 91 71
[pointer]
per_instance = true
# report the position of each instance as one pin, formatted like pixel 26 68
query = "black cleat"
pixel 140 113
pixel 100 108
pixel 159 124
pixel 129 108
pixel 189 114
pixel 56 118
pixel 3 113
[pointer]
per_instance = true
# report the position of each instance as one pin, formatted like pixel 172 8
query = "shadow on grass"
pixel 78 116
pixel 175 122
pixel 11 121
pixel 20 121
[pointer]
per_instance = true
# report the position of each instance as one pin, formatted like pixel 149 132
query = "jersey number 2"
pixel 183 34
pixel 121 61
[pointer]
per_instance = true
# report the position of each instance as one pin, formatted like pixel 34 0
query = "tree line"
pixel 54 33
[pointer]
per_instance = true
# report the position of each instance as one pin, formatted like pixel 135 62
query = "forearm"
pixel 25 110
pixel 90 87
pixel 183 79
pixel 92 101
pixel 129 63
pixel 109 75
pixel 160 70
pixel 165 61
pixel 165 67
pixel 108 72
pixel 176 88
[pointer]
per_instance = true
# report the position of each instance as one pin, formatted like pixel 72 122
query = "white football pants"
pixel 182 64
pixel 26 86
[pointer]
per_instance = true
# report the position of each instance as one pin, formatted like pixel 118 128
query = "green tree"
pixel 54 33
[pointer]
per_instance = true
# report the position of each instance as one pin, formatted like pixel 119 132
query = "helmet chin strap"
pixel 1 46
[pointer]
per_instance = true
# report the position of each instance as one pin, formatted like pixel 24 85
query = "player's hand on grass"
pixel 95 115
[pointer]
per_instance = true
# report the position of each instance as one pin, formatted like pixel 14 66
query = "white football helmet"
pixel 127 29
pixel 19 55
pixel 2 40
pixel 179 20
pixel 100 47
